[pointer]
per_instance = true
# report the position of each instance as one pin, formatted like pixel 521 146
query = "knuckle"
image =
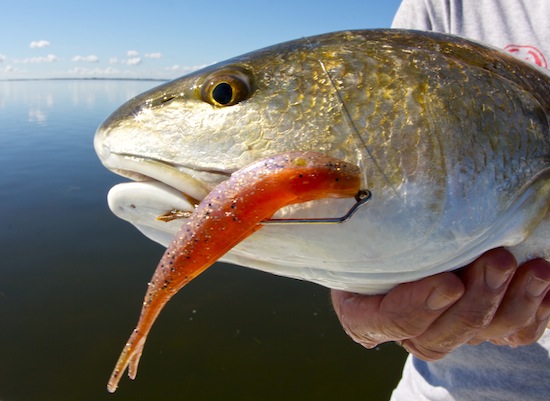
pixel 391 328
pixel 500 341
pixel 521 322
pixel 474 321
pixel 405 328
pixel 367 338
pixel 431 352
pixel 400 324
pixel 528 335
pixel 476 341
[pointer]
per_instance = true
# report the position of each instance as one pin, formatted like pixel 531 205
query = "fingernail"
pixel 536 286
pixel 495 278
pixel 438 300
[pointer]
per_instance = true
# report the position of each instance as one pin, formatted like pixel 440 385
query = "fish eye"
pixel 226 87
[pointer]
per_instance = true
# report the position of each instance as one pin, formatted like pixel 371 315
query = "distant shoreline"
pixel 85 79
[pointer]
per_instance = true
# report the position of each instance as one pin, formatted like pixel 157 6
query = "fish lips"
pixel 141 203
pixel 158 189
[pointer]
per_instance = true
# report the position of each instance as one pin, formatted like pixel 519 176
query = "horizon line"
pixel 86 79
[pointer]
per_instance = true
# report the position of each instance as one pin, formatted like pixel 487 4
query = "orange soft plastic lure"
pixel 229 214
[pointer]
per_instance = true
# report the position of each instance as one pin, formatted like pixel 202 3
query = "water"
pixel 72 279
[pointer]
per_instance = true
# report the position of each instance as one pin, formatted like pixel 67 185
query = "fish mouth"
pixel 159 195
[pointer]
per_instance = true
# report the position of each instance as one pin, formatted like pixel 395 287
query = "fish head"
pixel 221 118
pixel 180 139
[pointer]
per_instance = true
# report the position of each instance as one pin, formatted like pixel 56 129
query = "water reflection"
pixel 38 116
pixel 72 278
pixel 77 95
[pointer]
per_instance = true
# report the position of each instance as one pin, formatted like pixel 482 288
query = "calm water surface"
pixel 72 279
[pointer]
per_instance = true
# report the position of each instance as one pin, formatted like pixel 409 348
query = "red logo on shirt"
pixel 529 53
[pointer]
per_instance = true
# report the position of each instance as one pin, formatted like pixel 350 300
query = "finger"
pixel 521 315
pixel 405 312
pixel 533 333
pixel 485 280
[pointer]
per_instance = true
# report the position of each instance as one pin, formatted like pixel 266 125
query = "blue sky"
pixel 161 39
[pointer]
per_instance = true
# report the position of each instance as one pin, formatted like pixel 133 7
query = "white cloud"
pixel 9 69
pixel 38 44
pixel 132 61
pixel 132 53
pixel 88 59
pixel 2 58
pixel 153 55
pixel 50 58
pixel 113 60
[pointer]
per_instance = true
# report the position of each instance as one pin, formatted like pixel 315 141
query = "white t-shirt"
pixel 485 372
pixel 521 27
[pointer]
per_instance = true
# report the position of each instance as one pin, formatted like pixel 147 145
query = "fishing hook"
pixel 361 198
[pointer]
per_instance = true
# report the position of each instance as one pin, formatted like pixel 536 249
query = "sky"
pixel 160 38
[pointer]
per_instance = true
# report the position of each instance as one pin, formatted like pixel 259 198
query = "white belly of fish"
pixel 385 243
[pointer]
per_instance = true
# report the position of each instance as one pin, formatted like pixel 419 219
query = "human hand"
pixel 491 299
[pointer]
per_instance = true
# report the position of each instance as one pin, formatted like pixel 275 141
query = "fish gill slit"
pixel 347 116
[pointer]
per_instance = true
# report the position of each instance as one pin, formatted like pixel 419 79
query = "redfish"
pixel 231 212
pixel 452 138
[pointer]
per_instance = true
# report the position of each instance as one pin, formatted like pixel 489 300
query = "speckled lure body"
pixel 230 213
